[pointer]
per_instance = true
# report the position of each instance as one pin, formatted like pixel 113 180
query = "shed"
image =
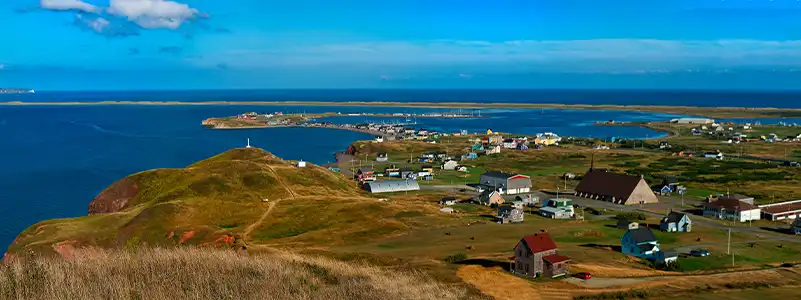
pixel 391 186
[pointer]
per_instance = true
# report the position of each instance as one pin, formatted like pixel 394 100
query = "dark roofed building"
pixel 536 255
pixel 614 187
pixel 506 182
pixel 732 209
pixel 781 210
pixel 639 242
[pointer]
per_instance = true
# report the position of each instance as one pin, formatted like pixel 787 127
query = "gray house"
pixel 506 183
pixel 676 222
pixel 509 214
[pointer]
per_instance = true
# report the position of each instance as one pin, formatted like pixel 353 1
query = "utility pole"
pixel 728 246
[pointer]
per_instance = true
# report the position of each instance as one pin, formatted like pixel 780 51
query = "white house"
pixel 301 164
pixel 732 209
pixel 493 150
pixel 450 165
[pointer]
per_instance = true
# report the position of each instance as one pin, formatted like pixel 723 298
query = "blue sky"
pixel 196 44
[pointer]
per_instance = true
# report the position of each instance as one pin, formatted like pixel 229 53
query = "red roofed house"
pixel 535 256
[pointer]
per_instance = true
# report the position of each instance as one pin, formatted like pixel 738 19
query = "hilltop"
pixel 242 198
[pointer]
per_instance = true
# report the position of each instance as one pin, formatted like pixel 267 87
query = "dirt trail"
pixel 251 227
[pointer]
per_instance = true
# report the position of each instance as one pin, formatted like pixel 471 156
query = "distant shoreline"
pixel 711 112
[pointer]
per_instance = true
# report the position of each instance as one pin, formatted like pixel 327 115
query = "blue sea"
pixel 56 159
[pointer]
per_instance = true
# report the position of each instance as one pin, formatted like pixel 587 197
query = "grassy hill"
pixel 219 202
pixel 209 274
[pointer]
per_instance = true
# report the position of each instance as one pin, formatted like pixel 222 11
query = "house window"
pixel 526 268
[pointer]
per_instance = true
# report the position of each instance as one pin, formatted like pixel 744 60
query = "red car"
pixel 583 275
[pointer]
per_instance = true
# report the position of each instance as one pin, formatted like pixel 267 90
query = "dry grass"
pixel 206 274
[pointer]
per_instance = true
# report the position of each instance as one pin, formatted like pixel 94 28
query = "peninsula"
pixel 710 112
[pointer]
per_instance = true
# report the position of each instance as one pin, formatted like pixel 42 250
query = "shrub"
pixel 456 258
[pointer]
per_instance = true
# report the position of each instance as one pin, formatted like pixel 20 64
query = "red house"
pixel 536 255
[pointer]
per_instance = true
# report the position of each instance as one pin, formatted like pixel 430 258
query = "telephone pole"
pixel 728 247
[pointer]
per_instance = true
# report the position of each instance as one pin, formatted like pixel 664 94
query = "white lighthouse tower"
pixel 248 146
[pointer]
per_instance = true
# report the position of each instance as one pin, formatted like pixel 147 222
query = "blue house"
pixel 639 242
pixel 468 156
pixel 478 147
pixel 676 222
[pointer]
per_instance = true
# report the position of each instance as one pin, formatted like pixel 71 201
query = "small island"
pixel 16 91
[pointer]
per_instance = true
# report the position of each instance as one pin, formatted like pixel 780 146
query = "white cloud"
pixel 68 5
pixel 98 25
pixel 153 13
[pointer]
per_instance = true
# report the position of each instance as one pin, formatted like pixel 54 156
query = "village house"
pixel 509 144
pixel 493 150
pixel 392 172
pixel 781 210
pixel 407 173
pixel 448 201
pixel 509 214
pixel 731 209
pixel 391 186
pixel 477 147
pixel 506 183
pixel 536 256
pixel 558 208
pixel 469 156
pixel 490 197
pixel 461 169
pixel 627 224
pixel 450 165
pixel 676 222
pixel 617 188
pixel 639 242
pixel 366 174
pixel 496 139
pixel 382 157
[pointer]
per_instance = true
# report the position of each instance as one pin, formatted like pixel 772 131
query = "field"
pixel 211 274
pixel 249 201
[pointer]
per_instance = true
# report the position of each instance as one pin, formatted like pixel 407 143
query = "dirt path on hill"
pixel 260 221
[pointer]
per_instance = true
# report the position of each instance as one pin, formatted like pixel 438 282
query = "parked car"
pixel 583 275
pixel 699 253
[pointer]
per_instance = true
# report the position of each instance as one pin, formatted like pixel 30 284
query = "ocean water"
pixel 55 159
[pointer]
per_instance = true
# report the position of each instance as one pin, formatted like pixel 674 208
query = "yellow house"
pixel 489 131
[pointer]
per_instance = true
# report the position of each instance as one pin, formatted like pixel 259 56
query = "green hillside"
pixel 220 202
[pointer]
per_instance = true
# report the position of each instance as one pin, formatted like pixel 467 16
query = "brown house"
pixel 614 187
pixel 535 256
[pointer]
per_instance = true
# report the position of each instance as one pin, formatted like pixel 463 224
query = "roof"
pixel 365 170
pixel 781 207
pixel 555 258
pixel 646 247
pixel 539 242
pixel 674 217
pixel 624 222
pixel 498 174
pixel 642 235
pixel 392 186
pixel 553 210
pixel 730 204
pixel 735 196
pixel 603 183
